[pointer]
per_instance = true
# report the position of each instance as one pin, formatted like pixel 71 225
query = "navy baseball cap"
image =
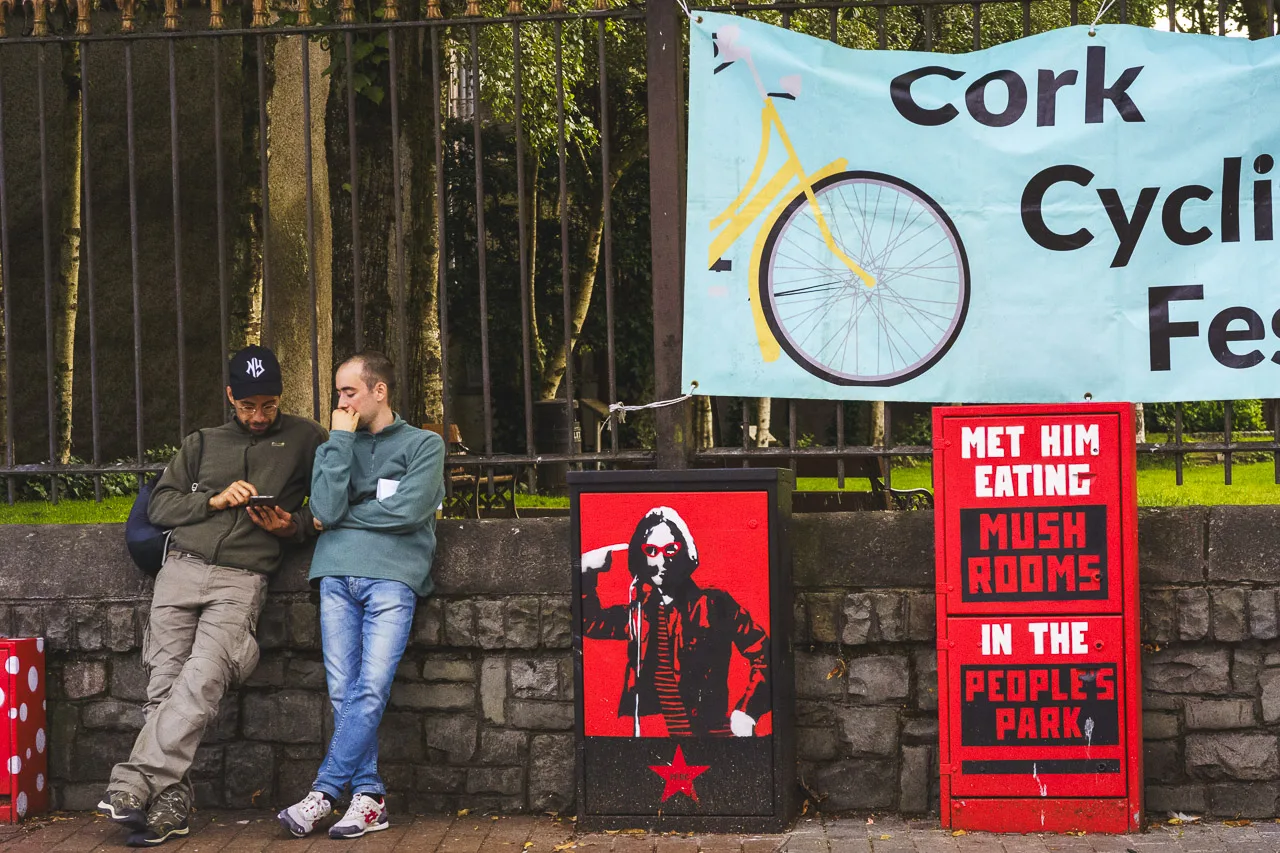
pixel 254 371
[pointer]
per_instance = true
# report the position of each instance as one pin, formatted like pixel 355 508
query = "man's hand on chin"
pixel 343 420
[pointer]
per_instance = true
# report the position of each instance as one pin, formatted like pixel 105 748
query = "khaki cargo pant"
pixel 199 642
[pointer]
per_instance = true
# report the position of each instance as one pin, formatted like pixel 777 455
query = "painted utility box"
pixel 683 662
pixel 24 756
pixel 1039 686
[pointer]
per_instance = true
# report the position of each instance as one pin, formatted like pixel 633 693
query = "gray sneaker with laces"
pixel 302 817
pixel 124 808
pixel 167 818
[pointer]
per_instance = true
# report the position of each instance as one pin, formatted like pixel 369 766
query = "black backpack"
pixel 147 543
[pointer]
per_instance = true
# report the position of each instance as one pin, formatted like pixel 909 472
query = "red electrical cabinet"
pixel 1039 686
pixel 24 756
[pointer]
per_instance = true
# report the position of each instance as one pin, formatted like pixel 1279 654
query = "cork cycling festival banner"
pixel 1069 214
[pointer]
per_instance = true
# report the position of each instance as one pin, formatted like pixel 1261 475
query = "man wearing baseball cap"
pixel 208 595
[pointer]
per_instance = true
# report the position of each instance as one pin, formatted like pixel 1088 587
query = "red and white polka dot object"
pixel 24 756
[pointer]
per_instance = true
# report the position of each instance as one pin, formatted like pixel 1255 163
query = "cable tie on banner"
pixel 621 410
pixel 1093 27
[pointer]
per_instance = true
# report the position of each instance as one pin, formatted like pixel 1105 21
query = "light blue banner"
pixel 1061 216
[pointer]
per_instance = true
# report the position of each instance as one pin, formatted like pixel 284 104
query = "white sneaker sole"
pixel 375 827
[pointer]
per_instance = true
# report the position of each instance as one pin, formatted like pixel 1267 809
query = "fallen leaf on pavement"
pixel 958 833
pixel 1237 822
pixel 463 812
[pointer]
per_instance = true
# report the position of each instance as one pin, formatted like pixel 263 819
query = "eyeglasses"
pixel 668 550
pixel 248 409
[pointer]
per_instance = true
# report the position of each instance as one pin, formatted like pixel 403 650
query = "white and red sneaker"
pixel 300 818
pixel 365 814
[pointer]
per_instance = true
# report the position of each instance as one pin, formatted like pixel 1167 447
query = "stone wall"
pixel 482 711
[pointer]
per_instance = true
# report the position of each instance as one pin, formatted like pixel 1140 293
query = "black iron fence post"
pixel 663 28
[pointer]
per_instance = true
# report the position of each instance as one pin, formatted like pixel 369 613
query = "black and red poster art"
pixel 676 608
pixel 1038 676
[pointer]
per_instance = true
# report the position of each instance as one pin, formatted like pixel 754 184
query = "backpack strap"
pixel 195 483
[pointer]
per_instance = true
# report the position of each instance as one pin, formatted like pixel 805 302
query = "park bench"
pixel 472 491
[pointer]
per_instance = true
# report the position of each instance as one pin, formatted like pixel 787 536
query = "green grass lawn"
pixel 1203 486
pixel 1202 483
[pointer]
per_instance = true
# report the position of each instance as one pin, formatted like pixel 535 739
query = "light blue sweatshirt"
pixel 393 538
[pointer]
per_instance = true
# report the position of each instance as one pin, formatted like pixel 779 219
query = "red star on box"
pixel 678 776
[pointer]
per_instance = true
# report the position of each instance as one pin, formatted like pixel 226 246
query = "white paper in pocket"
pixel 387 488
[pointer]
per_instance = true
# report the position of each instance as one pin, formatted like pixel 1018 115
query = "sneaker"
pixel 125 809
pixel 167 818
pixel 365 814
pixel 301 818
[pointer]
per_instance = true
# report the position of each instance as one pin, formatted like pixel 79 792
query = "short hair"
pixel 374 368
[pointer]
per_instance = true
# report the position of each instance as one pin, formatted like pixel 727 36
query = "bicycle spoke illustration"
pixel 859 276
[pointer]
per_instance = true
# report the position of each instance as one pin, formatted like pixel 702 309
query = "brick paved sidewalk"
pixel 257 831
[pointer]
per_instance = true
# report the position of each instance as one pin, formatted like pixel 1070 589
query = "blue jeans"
pixel 365 625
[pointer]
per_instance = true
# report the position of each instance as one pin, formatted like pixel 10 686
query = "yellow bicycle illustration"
pixel 859 276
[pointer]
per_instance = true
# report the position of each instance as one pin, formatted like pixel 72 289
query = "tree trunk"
pixel 703 424
pixel 554 366
pixel 290 291
pixel 1255 18
pixel 246 215
pixel 537 346
pixel 764 414
pixel 67 297
pixel 877 437
pixel 1139 423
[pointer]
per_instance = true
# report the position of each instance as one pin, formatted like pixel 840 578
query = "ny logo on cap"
pixel 255 368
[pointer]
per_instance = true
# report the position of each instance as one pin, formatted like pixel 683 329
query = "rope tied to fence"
pixel 620 410
pixel 1102 11
pixel 689 13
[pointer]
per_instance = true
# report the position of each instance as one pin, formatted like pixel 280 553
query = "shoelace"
pixel 313 805
pixel 172 802
pixel 364 807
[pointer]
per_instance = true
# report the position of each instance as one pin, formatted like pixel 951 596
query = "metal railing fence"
pixel 491 193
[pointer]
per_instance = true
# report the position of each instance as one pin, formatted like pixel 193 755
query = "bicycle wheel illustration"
pixel 827 319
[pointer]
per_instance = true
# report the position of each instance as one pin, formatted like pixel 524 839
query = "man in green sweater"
pixel 209 592
pixel 374 491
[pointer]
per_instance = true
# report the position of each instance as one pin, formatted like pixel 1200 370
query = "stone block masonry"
pixel 481 714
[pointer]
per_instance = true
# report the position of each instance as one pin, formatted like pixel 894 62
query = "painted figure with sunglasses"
pixel 200 636
pixel 680 636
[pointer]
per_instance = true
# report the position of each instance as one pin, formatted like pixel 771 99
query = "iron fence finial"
pixel 82 18
pixel 216 20
pixel 260 18
pixel 171 14
pixel 40 22
pixel 390 11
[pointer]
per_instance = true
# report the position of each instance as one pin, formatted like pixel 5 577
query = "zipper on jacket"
pixel 217 549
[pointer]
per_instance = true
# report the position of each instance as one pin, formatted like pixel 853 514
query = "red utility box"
pixel 1039 686
pixel 24 757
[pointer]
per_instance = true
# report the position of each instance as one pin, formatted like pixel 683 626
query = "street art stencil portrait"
pixel 675 615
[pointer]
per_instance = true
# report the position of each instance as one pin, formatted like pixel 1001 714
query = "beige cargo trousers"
pixel 199 642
